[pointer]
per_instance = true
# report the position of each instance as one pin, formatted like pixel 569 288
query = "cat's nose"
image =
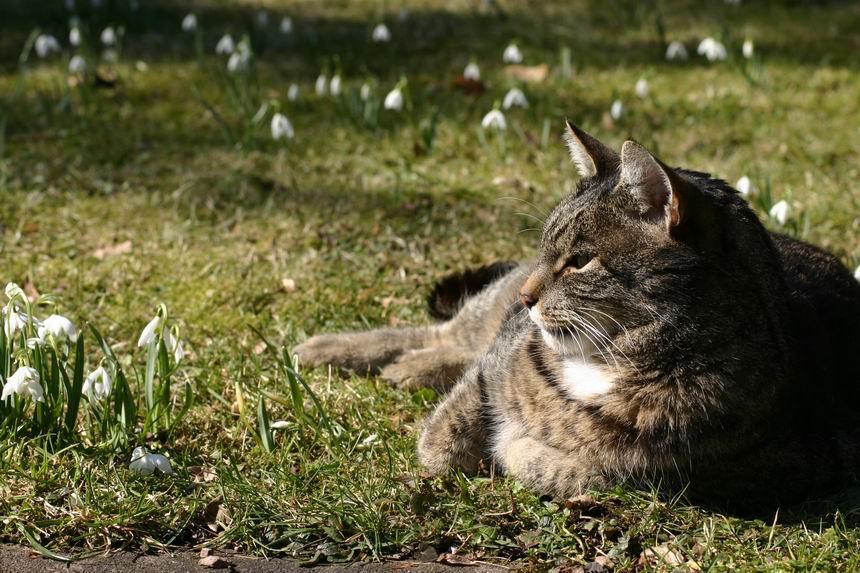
pixel 528 298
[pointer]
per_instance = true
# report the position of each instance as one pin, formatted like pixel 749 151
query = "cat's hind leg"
pixel 438 367
pixel 363 352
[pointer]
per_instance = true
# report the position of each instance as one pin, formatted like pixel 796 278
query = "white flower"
pixel 472 72
pixel 77 65
pixel 515 98
pixel 109 55
pixel 381 33
pixel 334 85
pixel 744 186
pixel 617 109
pixel 98 384
pixel 293 92
pixel 262 18
pixel 494 119
pixel 712 50
pixel 149 332
pixel 59 327
pixel 748 48
pixel 365 91
pixel 13 323
pixel 281 127
pixel 857 273
pixel 75 36
pixel 239 59
pixel 512 54
pixel 641 88
pixel 280 425
pixel 369 440
pixel 144 463
pixel 676 51
pixel 225 45
pixel 174 346
pixel 189 23
pixel 24 382
pixel 321 85
pixel 46 45
pixel 286 25
pixel 12 291
pixel 394 100
pixel 779 212
pixel 108 36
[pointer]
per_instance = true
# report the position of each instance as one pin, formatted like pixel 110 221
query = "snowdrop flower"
pixel 75 36
pixel 13 323
pixel 150 331
pixel 286 25
pixel 494 119
pixel 780 212
pixel 515 98
pixel 512 54
pixel 13 291
pixel 262 18
pixel 748 48
pixel 109 55
pixel 293 92
pixel 77 65
pixel 472 72
pixel 174 345
pixel 857 273
pixel 365 91
pixel 108 36
pixel 280 425
pixel 394 100
pixel 24 382
pixel 744 186
pixel 59 327
pixel 144 463
pixel 98 384
pixel 381 33
pixel 225 45
pixel 334 85
pixel 617 110
pixel 239 59
pixel 46 45
pixel 676 51
pixel 189 23
pixel 641 88
pixel 712 50
pixel 281 127
pixel 321 85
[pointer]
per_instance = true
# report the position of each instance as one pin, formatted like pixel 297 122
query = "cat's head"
pixel 630 245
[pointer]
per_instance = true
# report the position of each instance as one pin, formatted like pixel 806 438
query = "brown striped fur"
pixel 662 335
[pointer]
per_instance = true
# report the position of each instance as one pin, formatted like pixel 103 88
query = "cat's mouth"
pixel 563 339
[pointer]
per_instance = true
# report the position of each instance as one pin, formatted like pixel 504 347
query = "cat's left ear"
pixel 660 192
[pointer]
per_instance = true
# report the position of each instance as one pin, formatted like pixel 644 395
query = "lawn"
pixel 157 181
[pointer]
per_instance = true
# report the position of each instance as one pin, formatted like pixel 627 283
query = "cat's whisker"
pixel 529 203
pixel 610 340
pixel 530 216
pixel 586 332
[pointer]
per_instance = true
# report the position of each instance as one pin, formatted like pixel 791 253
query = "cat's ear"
pixel 590 156
pixel 659 191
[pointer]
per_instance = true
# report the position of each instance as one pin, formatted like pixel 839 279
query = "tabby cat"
pixel 663 335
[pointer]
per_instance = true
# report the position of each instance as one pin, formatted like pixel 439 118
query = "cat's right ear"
pixel 591 157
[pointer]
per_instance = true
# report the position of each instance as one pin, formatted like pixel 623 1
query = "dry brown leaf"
pixel 30 289
pixel 530 74
pixel 662 555
pixel 456 560
pixel 110 250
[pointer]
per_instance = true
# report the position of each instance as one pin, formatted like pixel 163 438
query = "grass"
pixel 222 221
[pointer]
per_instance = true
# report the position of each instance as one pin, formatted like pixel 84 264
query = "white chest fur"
pixel 583 380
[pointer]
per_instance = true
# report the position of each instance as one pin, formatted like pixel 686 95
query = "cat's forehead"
pixel 576 217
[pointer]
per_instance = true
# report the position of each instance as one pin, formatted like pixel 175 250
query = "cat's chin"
pixel 560 342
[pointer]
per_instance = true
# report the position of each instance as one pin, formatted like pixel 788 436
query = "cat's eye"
pixel 577 262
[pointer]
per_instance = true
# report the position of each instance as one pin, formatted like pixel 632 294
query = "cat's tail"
pixel 448 295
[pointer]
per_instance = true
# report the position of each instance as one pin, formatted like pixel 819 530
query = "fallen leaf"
pixel 110 250
pixel 470 87
pixel 456 560
pixel 662 555
pixel 530 74
pixel 30 289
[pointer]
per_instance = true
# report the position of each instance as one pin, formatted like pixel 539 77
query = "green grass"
pixel 363 224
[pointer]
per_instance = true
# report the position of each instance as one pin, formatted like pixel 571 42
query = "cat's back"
pixel 824 301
